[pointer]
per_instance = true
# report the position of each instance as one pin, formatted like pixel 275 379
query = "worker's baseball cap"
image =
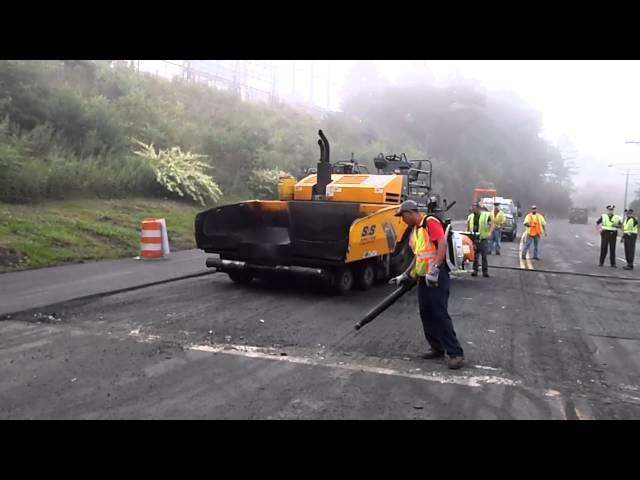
pixel 630 210
pixel 610 207
pixel 533 207
pixel 407 206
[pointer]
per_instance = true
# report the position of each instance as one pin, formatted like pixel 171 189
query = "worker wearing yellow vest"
pixel 608 225
pixel 481 226
pixel 498 218
pixel 536 225
pixel 630 236
pixel 429 268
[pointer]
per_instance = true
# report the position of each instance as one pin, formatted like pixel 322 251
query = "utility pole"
pixel 626 190
pixel 236 82
pixel 328 85
pixel 187 72
pixel 311 85
pixel 274 84
pixel 293 83
pixel 627 172
pixel 626 183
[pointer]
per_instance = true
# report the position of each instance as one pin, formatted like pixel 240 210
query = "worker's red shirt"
pixel 435 230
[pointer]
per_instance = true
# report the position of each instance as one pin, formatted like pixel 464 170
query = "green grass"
pixel 78 230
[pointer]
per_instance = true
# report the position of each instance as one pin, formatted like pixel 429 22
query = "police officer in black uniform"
pixel 629 237
pixel 608 225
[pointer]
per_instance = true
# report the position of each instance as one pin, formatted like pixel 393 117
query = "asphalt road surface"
pixel 538 346
pixel 38 288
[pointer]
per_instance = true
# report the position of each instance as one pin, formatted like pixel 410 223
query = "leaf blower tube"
pixel 385 303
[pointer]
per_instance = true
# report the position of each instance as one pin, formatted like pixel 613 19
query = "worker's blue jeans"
pixel 535 240
pixel 436 322
pixel 496 237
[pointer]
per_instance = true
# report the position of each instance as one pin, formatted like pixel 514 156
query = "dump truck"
pixel 337 223
pixel 480 192
pixel 579 215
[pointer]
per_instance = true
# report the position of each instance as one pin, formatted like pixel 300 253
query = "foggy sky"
pixel 589 108
pixel 595 105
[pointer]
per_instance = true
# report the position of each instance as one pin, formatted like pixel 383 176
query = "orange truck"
pixel 479 193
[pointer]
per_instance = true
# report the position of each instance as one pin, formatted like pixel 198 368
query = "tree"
pixel 473 137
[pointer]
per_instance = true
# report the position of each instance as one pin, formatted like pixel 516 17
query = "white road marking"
pixel 254 352
pixel 583 413
pixel 482 367
pixel 580 415
pixel 631 388
pixel 143 338
pixel 629 398
pixel 590 244
pixel 556 399
pixel 524 263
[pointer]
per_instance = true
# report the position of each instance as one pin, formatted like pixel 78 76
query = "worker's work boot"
pixel 474 274
pixel 485 274
pixel 627 267
pixel 455 362
pixel 431 354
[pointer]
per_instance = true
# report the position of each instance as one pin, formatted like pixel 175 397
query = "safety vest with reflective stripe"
pixel 423 248
pixel 484 224
pixel 498 218
pixel 629 227
pixel 610 223
pixel 536 224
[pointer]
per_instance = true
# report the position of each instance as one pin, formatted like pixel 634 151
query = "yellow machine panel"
pixel 375 235
pixel 355 188
pixel 365 189
pixel 304 188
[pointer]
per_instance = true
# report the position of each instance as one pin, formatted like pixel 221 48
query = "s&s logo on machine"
pixel 368 234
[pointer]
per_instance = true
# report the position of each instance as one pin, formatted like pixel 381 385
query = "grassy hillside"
pixel 82 230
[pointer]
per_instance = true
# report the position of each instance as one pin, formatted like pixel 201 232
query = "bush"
pixel 182 173
pixel 33 170
pixel 263 184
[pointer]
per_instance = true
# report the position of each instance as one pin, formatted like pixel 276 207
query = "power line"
pixel 252 79
pixel 237 77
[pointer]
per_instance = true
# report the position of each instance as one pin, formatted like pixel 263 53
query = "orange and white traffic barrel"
pixel 154 240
